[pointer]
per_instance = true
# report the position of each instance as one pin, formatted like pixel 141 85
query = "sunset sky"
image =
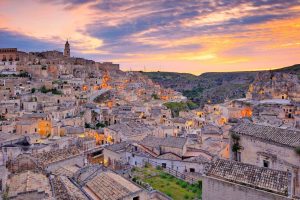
pixel 193 36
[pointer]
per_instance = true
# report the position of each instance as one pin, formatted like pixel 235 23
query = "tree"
pixel 32 90
pixel 86 125
pixel 43 89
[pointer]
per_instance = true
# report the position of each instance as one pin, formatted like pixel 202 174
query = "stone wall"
pixel 216 189
pixel 178 165
pixel 279 157
pixel 75 160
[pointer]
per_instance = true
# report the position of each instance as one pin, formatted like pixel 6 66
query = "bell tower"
pixel 67 50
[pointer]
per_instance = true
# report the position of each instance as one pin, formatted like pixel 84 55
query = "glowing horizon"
pixel 180 36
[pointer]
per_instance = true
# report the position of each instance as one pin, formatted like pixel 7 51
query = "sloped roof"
pixel 281 136
pixel 151 141
pixel 250 175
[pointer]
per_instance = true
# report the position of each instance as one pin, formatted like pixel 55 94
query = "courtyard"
pixel 157 179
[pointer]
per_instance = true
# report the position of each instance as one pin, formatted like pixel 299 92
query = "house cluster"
pixel 71 128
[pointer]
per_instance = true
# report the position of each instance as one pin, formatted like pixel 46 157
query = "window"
pixel 164 165
pixel 136 198
pixel 192 169
pixel 266 163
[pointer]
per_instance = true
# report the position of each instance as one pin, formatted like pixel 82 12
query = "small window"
pixel 266 163
pixel 164 165
pixel 136 198
pixel 192 169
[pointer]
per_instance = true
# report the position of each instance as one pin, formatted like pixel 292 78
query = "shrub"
pixel 86 125
pixel 236 147
pixel 43 89
pixel 154 96
pixel 133 169
pixel 163 175
pixel 100 125
pixel 147 165
pixel 56 92
pixel 184 185
pixel 297 150
pixel 235 137
pixel 158 167
pixel 186 196
pixel 200 184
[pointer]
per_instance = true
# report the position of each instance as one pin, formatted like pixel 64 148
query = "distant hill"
pixel 211 86
pixel 294 69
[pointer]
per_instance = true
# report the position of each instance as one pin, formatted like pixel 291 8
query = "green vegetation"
pixel 21 74
pixel 165 183
pixel 100 125
pixel 86 125
pixel 54 91
pixel 213 86
pixel 193 93
pixel 236 145
pixel 191 105
pixel 297 150
pixel 2 118
pixel 176 107
pixel 32 90
pixel 155 96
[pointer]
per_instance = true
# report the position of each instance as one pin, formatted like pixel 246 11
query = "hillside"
pixel 211 86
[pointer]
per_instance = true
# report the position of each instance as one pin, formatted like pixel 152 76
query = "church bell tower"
pixel 67 50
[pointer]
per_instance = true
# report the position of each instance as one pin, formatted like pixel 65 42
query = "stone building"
pixel 174 145
pixel 29 185
pixel 267 147
pixel 109 185
pixel 238 181
pixel 130 131
pixel 67 52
